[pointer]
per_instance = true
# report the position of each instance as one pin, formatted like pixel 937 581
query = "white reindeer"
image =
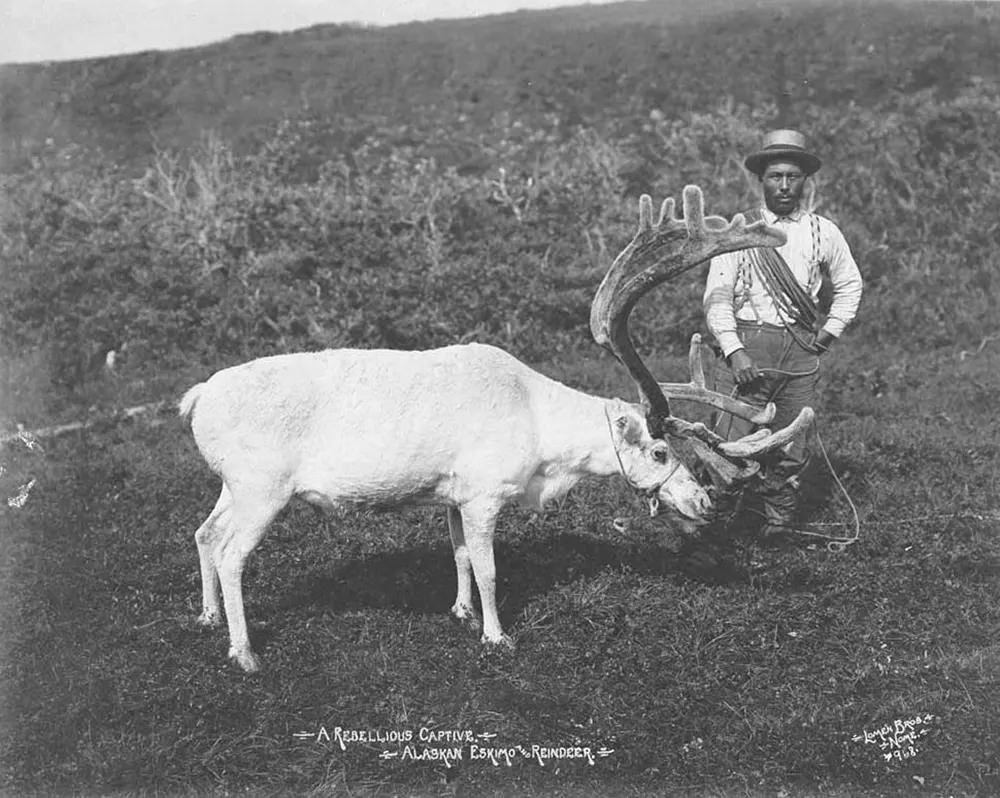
pixel 469 427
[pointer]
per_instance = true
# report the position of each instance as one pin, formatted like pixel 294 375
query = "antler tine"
pixel 646 213
pixel 694 361
pixel 763 441
pixel 658 253
pixel 695 391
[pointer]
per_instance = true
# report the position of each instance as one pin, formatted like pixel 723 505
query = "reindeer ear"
pixel 628 428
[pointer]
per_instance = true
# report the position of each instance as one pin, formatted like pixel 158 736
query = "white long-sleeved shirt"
pixel 734 290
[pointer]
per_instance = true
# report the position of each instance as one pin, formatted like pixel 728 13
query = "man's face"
pixel 783 182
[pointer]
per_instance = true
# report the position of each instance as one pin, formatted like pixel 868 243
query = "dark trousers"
pixel 791 374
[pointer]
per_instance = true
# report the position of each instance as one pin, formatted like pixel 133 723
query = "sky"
pixel 55 30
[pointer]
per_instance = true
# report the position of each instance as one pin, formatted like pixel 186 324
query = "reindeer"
pixel 469 427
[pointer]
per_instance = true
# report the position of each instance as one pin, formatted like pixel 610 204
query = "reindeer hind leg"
pixel 462 609
pixel 251 513
pixel 206 537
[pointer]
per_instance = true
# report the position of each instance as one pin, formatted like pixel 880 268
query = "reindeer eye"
pixel 660 455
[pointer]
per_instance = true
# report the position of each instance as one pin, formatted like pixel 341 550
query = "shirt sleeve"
pixel 720 314
pixel 846 281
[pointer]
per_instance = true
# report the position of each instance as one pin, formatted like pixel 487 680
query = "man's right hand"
pixel 744 371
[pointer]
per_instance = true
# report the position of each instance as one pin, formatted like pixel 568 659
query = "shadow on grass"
pixel 423 579
pixel 819 489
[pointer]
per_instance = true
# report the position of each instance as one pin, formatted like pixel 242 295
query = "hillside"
pixel 430 183
pixel 164 215
pixel 603 66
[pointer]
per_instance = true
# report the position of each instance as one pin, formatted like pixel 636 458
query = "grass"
pixel 602 67
pixel 703 667
pixel 709 667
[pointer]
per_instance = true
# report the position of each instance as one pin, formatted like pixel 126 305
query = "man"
pixel 761 306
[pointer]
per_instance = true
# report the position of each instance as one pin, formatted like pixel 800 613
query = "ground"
pixel 710 666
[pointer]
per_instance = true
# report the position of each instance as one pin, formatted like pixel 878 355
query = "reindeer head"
pixel 651 466
pixel 658 253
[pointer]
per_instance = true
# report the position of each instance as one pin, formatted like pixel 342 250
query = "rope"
pixel 835 544
pixel 792 302
pixel 775 271
pixel 786 293
pixel 840 544
pixel 931 517
pixel 790 299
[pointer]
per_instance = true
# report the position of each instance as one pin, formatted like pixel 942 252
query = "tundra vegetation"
pixel 438 183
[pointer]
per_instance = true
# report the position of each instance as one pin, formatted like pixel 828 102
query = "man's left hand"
pixel 823 341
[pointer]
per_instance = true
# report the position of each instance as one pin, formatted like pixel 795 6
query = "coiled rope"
pixel 834 543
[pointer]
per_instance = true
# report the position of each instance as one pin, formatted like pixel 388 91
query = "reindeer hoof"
pixel 502 643
pixel 246 659
pixel 210 619
pixel 496 654
pixel 467 616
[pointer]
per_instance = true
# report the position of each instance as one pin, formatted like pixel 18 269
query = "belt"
pixel 746 324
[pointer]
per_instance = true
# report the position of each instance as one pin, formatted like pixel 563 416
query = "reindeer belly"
pixel 379 481
pixel 370 500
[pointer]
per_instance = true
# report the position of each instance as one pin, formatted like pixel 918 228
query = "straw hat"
pixel 789 145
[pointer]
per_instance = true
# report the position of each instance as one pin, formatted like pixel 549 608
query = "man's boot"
pixel 780 501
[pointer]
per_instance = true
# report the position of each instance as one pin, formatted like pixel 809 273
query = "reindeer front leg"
pixel 479 518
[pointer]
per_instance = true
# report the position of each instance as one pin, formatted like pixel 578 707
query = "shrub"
pixel 211 256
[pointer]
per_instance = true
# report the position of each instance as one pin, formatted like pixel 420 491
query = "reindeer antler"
pixel 696 391
pixel 658 253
